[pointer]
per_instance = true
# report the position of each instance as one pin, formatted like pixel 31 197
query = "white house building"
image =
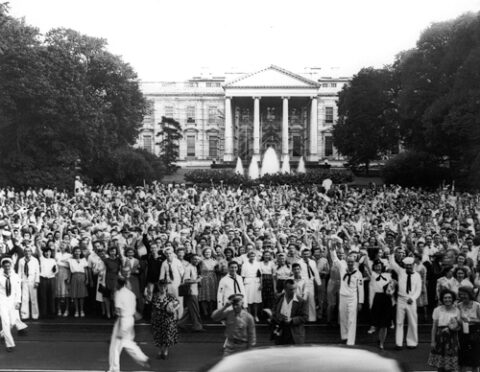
pixel 244 114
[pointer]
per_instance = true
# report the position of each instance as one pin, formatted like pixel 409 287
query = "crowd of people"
pixel 383 254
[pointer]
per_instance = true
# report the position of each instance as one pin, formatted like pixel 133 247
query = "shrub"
pixel 228 177
pixel 127 166
pixel 415 169
pixel 61 178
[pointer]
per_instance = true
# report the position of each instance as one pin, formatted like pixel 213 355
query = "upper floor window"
pixel 190 114
pixel 169 111
pixel 329 115
pixel 212 114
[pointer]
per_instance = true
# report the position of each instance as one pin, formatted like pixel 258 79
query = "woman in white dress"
pixel 251 275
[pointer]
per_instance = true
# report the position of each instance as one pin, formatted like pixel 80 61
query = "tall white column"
pixel 228 153
pixel 285 127
pixel 313 143
pixel 256 128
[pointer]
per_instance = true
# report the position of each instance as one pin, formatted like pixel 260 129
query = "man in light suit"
pixel 311 277
pixel 289 316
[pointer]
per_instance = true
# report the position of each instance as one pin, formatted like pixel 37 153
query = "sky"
pixel 177 39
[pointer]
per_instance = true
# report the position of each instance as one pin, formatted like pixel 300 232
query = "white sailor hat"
pixel 408 260
pixel 6 259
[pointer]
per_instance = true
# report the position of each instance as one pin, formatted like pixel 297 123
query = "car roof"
pixel 306 359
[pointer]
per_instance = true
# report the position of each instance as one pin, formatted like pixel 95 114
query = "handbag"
pixel 104 290
pixel 184 289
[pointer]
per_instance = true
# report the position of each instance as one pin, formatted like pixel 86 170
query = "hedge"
pixel 228 177
pixel 415 169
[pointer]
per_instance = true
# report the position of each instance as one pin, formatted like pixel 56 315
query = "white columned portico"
pixel 285 128
pixel 228 154
pixel 256 128
pixel 313 143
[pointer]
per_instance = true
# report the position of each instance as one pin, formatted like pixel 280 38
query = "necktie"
pixel 349 276
pixel 409 282
pixel 170 271
pixel 8 286
pixel 236 286
pixel 25 268
pixel 380 277
pixel 310 272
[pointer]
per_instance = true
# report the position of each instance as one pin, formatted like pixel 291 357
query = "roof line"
pixel 279 69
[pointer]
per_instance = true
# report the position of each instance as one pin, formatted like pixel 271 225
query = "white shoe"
pixel 371 330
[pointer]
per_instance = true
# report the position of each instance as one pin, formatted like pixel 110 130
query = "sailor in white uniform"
pixel 10 299
pixel 409 289
pixel 351 296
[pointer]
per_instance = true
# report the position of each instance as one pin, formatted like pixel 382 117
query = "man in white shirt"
pixel 409 289
pixel 351 296
pixel 124 329
pixel 10 298
pixel 29 272
pixel 230 284
pixel 311 277
pixel 192 313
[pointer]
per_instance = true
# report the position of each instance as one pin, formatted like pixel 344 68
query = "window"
pixel 218 85
pixel 149 118
pixel 297 146
pixel 329 115
pixel 212 114
pixel 169 112
pixel 333 85
pixel 148 143
pixel 209 84
pixel 190 114
pixel 328 146
pixel 190 145
pixel 212 146
pixel 325 85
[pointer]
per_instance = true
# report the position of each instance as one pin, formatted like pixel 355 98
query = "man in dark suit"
pixel 289 317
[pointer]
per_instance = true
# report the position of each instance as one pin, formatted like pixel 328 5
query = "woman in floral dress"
pixel 164 319
pixel 446 324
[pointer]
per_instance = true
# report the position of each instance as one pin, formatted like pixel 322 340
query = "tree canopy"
pixel 439 100
pixel 64 100
pixel 367 116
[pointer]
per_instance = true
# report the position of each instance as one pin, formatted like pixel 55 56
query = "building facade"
pixel 223 118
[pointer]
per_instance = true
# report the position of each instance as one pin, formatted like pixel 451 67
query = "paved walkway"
pixel 82 345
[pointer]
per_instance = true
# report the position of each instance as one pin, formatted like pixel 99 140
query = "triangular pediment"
pixel 272 77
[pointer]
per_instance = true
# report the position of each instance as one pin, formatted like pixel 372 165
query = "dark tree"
pixel 64 100
pixel 367 125
pixel 170 135
pixel 440 97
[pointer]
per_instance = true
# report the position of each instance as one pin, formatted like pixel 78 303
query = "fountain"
pixel 253 171
pixel 239 168
pixel 301 166
pixel 286 164
pixel 270 163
